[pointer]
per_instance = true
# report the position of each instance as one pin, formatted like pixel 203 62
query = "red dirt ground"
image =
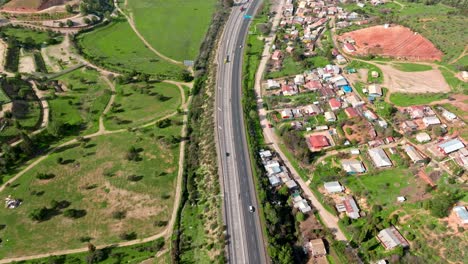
pixel 394 41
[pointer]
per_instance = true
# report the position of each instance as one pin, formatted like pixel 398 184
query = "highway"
pixel 245 239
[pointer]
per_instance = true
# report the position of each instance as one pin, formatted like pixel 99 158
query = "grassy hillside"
pixel 175 28
pixel 118 48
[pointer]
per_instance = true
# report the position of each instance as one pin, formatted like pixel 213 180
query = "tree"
pixel 300 217
pixel 87 21
pixel 26 145
pixel 132 154
pixel 74 213
pixel 38 214
pixel 69 23
pixel 285 255
pixel 69 8
pixel 437 130
pixel 185 76
pixel 55 128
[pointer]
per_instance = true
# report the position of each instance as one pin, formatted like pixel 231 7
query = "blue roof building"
pixel 347 89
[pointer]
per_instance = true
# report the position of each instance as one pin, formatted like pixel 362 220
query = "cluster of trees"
pixel 39 63
pixel 98 7
pixel 297 144
pixel 12 55
pixel 440 204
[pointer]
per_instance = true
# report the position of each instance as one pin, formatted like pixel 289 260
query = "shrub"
pixel 39 214
pixel 74 213
pixel 128 236
pixel 45 176
pixel 119 214
pixel 134 178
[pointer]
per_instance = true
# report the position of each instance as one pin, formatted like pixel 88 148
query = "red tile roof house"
pixel 313 85
pixel 277 55
pixel 351 112
pixel 334 104
pixel 349 47
pixel 318 141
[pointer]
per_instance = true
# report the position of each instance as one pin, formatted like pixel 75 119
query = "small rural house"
pixel 379 157
pixel 391 238
pixel 414 155
pixel 319 141
pixel 430 121
pixel 272 84
pixel 450 146
pixel 353 166
pixel 349 206
pixel 461 213
pixel 423 137
pixel 330 116
pixel 317 248
pixel 333 187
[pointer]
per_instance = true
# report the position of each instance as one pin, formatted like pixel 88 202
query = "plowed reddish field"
pixel 394 41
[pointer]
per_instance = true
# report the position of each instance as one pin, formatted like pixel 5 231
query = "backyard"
pixel 175 28
pixel 104 46
pixel 120 186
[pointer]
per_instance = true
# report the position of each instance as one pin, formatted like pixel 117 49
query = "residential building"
pixel 409 126
pixel 274 181
pixel 330 116
pixel 423 137
pixel 431 120
pixel 317 248
pixel 451 146
pixel 375 90
pixel 353 166
pixel 299 79
pixel 461 213
pixel 301 204
pixel 349 206
pixel 312 109
pixel 272 167
pixel 287 114
pixel 354 100
pixel 265 154
pixel 277 55
pixel 319 141
pixel 448 115
pixel 416 111
pixel 371 116
pixel 414 155
pixel 379 157
pixel 334 104
pixel 354 151
pixel 382 123
pixel 288 90
pixel 313 85
pixel 291 184
pixel 333 187
pixel 391 238
pixel 351 112
pixel 272 84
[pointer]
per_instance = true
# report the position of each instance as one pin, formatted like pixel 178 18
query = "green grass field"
pixel 115 46
pixel 138 103
pixel 362 65
pixel 95 178
pixel 412 67
pixel 38 37
pixel 290 67
pixel 456 84
pixel 406 99
pixel 84 102
pixel 175 28
pixel 382 187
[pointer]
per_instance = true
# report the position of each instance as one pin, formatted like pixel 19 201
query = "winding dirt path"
pixel 463 54
pixel 168 230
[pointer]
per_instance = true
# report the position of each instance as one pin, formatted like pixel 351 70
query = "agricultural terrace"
pixel 82 99
pixel 26 109
pixel 175 28
pixel 111 188
pixel 105 47
pixel 31 37
pixel 139 103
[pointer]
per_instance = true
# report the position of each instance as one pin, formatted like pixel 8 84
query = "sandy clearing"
pixel 53 54
pixel 26 64
pixel 3 48
pixel 430 81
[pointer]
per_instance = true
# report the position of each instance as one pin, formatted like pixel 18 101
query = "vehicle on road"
pixel 227 154
pixel 226 60
pixel 251 209
pixel 242 9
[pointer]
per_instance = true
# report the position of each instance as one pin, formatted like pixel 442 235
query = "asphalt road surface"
pixel 245 240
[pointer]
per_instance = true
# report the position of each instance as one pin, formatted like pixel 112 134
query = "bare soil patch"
pixel 395 41
pixel 430 81
pixel 26 64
